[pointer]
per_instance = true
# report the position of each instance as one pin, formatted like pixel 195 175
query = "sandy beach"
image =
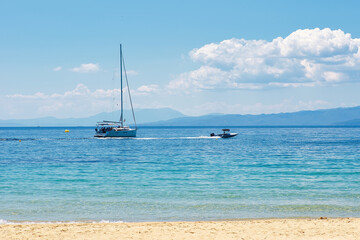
pixel 324 228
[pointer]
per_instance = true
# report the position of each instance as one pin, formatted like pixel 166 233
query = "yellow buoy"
pixel 66 130
pixel 19 140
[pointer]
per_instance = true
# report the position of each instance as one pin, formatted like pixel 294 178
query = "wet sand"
pixel 324 228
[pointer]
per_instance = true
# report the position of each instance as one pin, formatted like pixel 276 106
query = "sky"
pixel 198 57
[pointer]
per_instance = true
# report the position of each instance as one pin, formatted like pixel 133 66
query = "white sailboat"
pixel 117 128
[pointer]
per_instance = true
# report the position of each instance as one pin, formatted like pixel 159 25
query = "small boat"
pixel 113 129
pixel 226 134
pixel 117 128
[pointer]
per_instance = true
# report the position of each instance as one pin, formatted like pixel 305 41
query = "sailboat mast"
pixel 121 89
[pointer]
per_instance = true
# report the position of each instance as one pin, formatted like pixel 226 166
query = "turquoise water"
pixel 171 174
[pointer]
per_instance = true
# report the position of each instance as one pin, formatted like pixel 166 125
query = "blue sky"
pixel 197 57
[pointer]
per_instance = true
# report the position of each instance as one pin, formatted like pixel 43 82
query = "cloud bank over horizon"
pixel 305 58
pixel 78 102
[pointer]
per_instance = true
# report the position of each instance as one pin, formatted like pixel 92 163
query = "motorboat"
pixel 226 134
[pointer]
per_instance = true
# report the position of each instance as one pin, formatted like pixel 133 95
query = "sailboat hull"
pixel 117 133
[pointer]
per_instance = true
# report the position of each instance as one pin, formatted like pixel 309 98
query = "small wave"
pixel 107 221
pixel 3 221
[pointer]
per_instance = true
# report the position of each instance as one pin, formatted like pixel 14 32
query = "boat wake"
pixel 155 138
pixel 170 138
pixel 200 137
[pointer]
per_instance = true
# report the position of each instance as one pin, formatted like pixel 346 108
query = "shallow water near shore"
pixel 174 174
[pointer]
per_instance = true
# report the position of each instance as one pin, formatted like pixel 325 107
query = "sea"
pixel 178 174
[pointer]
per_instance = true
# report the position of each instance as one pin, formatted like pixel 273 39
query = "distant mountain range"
pixel 170 117
pixel 326 117
pixel 142 116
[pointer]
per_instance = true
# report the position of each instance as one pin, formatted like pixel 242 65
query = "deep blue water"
pixel 170 174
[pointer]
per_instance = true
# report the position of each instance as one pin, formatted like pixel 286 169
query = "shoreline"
pixel 20 222
pixel 275 228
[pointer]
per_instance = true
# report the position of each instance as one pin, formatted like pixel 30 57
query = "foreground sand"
pixel 338 228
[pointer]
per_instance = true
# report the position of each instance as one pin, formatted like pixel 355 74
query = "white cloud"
pixel 307 57
pixel 148 88
pixel 86 68
pixel 145 90
pixel 37 95
pixel 291 84
pixel 80 90
pixel 102 93
pixel 56 69
pixel 333 76
pixel 213 77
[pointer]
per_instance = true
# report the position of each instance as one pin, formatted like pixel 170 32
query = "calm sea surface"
pixel 170 174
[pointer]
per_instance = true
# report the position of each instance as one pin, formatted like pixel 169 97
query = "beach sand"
pixel 326 228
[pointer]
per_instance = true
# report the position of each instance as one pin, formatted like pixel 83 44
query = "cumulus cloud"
pixel 305 58
pixel 86 68
pixel 146 89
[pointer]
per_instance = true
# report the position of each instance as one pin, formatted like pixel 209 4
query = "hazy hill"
pixel 169 117
pixel 354 122
pixel 142 116
pixel 326 117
